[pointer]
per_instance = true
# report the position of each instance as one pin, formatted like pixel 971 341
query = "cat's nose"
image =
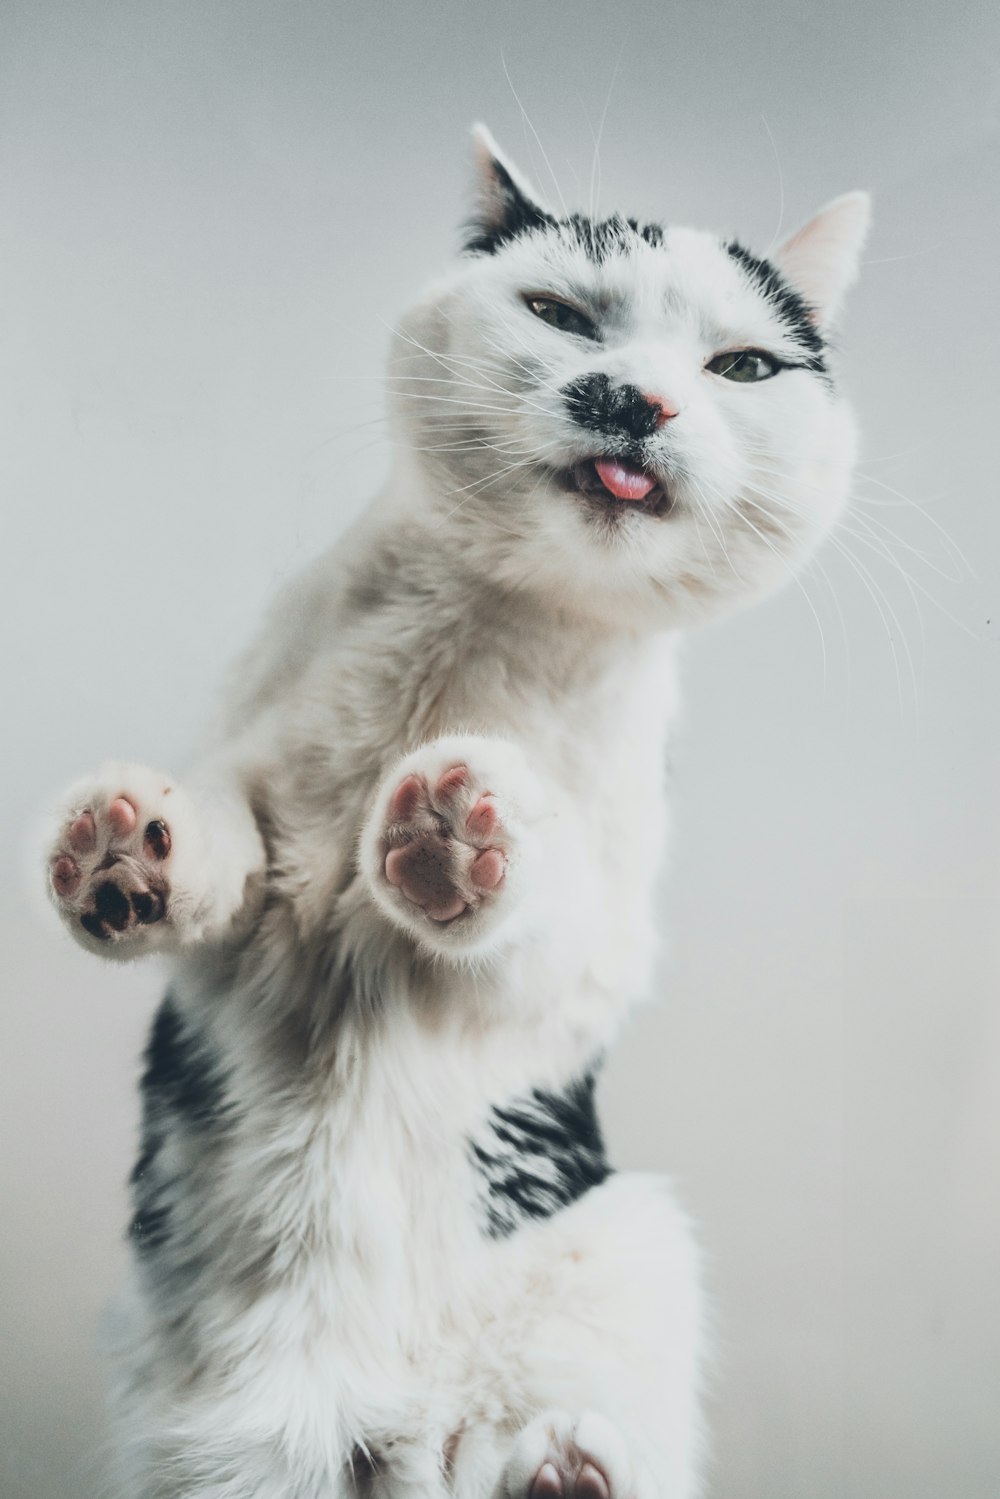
pixel 594 401
pixel 665 409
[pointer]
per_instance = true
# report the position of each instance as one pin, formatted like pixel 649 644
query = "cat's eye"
pixel 562 316
pixel 746 366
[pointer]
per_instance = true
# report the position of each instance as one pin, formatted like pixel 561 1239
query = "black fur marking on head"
pixel 539 1154
pixel 617 410
pixel 602 238
pixel 182 1088
pixel 793 310
pixel 599 238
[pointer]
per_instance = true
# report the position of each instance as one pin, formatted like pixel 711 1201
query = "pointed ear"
pixel 505 204
pixel 821 260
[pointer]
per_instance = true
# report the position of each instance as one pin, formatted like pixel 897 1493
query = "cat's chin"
pixel 584 483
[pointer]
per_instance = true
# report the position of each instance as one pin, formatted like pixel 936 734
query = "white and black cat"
pixel 377 1244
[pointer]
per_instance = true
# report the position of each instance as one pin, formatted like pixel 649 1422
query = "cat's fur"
pixel 377 1244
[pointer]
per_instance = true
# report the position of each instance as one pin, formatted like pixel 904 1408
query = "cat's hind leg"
pixel 594 1351
pixel 138 864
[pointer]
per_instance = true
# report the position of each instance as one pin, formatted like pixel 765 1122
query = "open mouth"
pixel 618 487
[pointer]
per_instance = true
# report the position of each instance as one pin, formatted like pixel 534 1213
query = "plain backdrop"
pixel 211 213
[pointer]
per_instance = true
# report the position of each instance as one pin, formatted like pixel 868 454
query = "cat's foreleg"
pixel 139 863
pixel 455 848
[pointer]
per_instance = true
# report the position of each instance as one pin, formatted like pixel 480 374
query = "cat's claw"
pixel 109 869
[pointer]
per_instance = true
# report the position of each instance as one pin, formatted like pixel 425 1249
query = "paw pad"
pixel 588 1483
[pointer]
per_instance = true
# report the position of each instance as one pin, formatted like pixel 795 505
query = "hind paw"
pixel 561 1457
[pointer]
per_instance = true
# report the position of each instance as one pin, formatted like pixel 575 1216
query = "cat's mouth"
pixel 617 486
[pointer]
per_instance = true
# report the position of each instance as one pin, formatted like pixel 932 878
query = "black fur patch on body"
pixel 182 1088
pixel 792 309
pixel 538 1154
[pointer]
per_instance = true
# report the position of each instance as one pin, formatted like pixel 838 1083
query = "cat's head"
pixel 638 422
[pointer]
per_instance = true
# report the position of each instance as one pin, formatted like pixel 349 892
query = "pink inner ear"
pixel 821 259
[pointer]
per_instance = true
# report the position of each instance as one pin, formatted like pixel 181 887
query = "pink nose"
pixel 664 409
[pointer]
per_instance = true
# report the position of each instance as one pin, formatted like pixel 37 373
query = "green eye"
pixel 562 316
pixel 746 366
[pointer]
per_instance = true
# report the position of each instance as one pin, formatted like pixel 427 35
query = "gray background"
pixel 210 213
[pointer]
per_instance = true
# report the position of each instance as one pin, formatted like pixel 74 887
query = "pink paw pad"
pixel 588 1483
pixel 65 874
pixel 483 818
pixel 488 869
pixel 83 833
pixel 122 817
pixel 406 799
pixel 454 780
pixel 591 1483
pixel 547 1483
pixel 435 855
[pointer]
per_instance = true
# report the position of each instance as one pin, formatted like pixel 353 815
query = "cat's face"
pixel 636 422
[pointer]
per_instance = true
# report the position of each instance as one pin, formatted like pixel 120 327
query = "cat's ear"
pixel 821 259
pixel 505 204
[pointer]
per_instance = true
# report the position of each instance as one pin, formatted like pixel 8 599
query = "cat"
pixel 377 1245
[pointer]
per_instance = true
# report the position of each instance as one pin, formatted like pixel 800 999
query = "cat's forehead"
pixel 649 272
pixel 618 255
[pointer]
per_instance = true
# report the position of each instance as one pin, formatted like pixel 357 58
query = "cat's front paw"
pixel 445 843
pixel 111 865
pixel 444 855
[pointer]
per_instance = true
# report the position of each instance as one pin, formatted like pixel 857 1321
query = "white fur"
pixel 341 1295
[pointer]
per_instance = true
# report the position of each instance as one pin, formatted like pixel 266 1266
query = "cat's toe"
pixel 591 1483
pixel 81 835
pixel 122 817
pixel 547 1483
pixel 65 875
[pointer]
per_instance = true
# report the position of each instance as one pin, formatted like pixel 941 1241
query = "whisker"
pixel 527 122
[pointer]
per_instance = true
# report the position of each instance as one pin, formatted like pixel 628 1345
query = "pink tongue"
pixel 624 481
